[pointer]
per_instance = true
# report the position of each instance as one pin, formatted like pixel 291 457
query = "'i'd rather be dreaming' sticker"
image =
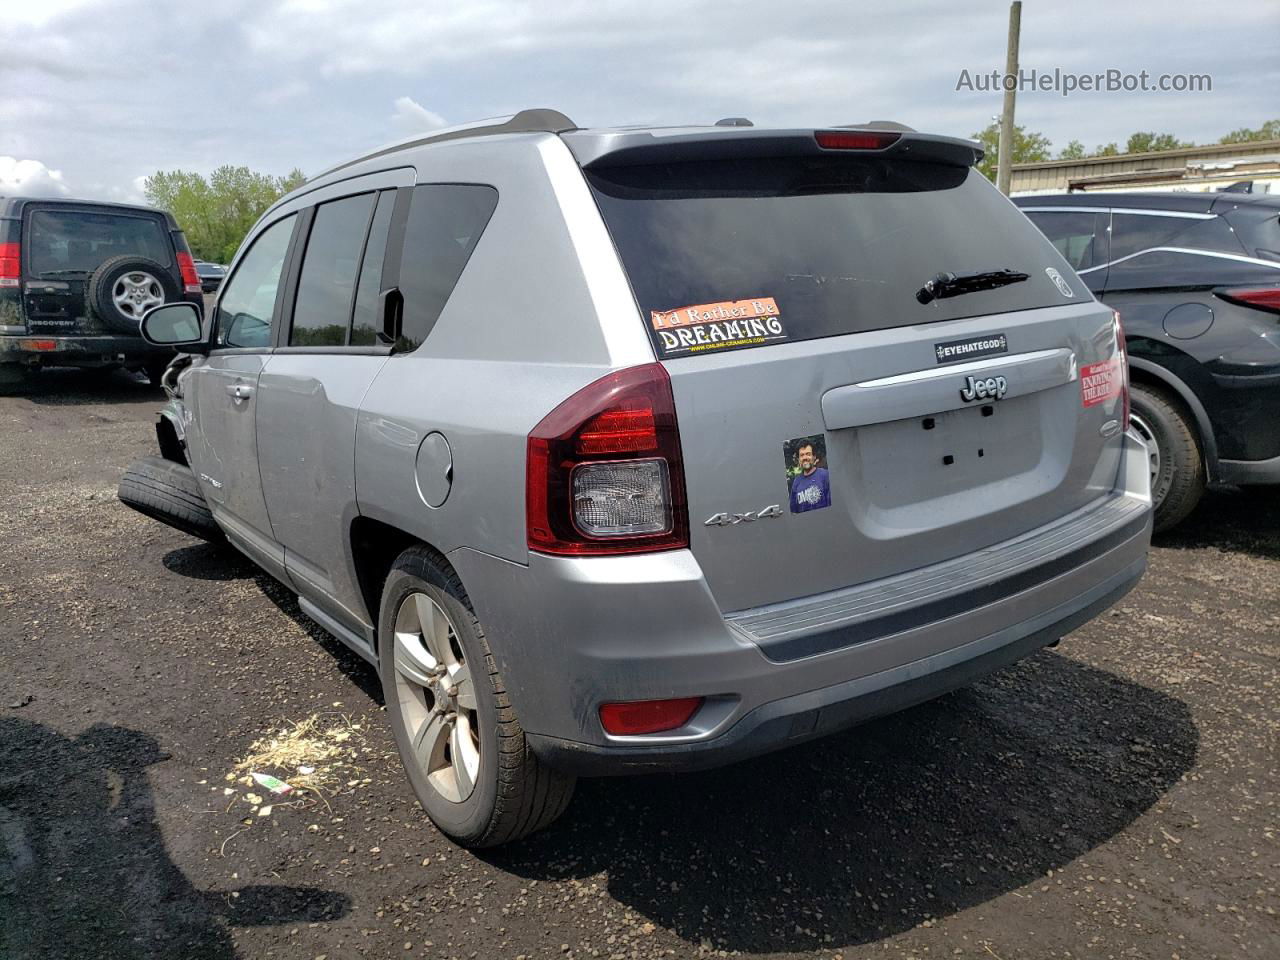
pixel 717 326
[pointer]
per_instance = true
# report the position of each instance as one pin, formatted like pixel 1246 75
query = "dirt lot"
pixel 1116 797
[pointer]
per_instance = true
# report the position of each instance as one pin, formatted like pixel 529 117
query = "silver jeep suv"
pixel 621 450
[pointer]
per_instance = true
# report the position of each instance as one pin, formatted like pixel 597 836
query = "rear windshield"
pixel 730 254
pixel 69 241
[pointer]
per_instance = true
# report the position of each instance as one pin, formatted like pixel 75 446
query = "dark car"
pixel 1196 281
pixel 76 277
pixel 210 275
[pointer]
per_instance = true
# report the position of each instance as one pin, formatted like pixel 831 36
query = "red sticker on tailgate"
pixel 1099 382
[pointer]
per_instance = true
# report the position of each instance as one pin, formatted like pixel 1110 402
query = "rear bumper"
pixel 96 351
pixel 570 634
pixel 817 713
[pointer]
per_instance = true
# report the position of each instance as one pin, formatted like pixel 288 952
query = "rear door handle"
pixel 241 391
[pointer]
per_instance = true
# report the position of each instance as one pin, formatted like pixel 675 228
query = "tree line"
pixel 1032 147
pixel 216 213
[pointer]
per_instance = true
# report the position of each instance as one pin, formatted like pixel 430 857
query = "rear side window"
pixel 1133 233
pixel 365 322
pixel 1074 235
pixel 445 223
pixel 1260 235
pixel 751 252
pixel 74 241
pixel 322 310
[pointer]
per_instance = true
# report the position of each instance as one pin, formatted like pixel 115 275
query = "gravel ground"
pixel 1115 797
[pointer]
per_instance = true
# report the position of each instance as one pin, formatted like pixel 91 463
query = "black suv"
pixel 75 279
pixel 1196 281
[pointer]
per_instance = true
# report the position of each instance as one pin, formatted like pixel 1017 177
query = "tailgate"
pixel 915 473
pixel 878 362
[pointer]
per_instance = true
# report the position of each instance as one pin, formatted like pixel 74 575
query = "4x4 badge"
pixel 990 388
pixel 728 519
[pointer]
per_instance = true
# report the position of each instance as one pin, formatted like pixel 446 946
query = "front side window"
pixel 444 226
pixel 249 297
pixel 1074 235
pixel 71 241
pixel 322 311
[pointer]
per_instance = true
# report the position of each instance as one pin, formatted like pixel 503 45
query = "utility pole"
pixel 1004 155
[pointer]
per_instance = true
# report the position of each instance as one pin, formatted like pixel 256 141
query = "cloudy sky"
pixel 99 93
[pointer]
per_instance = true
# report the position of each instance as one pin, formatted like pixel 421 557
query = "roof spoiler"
pixel 629 148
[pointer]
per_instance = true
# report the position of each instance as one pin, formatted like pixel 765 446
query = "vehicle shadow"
pixel 1233 519
pixel 852 839
pixel 67 386
pixel 83 867
pixel 209 561
pixel 354 667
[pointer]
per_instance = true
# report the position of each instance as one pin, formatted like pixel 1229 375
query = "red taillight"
pixel 619 431
pixel 1264 298
pixel 647 716
pixel 604 472
pixel 10 268
pixel 1123 350
pixel 187 266
pixel 855 140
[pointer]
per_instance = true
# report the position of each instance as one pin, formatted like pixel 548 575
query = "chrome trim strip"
pixel 1179 214
pixel 1217 255
pixel 973 366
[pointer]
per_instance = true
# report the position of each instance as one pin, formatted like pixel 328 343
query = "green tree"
pixel 1072 151
pixel 1106 150
pixel 1147 142
pixel 216 213
pixel 1268 131
pixel 1028 147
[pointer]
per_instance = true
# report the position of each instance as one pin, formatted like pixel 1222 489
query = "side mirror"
pixel 174 325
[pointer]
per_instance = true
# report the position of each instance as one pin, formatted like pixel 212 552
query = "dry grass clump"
pixel 322 743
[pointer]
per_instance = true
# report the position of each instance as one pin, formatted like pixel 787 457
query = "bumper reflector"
pixel 647 716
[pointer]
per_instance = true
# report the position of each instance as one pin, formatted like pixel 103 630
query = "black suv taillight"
pixel 1260 298
pixel 604 472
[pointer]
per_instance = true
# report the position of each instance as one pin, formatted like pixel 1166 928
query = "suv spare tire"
pixel 123 288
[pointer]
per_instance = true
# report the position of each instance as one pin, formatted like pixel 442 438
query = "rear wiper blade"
pixel 949 285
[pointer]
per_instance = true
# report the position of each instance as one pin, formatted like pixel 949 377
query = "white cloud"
pixel 274 84
pixel 30 178
pixel 412 117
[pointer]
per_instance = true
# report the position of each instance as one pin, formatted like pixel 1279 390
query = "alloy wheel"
pixel 436 697
pixel 136 292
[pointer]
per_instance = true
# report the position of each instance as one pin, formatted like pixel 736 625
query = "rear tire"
pixel 168 492
pixel 428 632
pixel 1178 478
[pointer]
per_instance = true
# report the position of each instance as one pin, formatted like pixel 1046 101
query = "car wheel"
pixel 461 743
pixel 123 288
pixel 1173 447
pixel 169 492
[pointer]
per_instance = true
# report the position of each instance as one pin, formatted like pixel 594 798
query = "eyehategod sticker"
pixel 808 482
pixel 717 326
